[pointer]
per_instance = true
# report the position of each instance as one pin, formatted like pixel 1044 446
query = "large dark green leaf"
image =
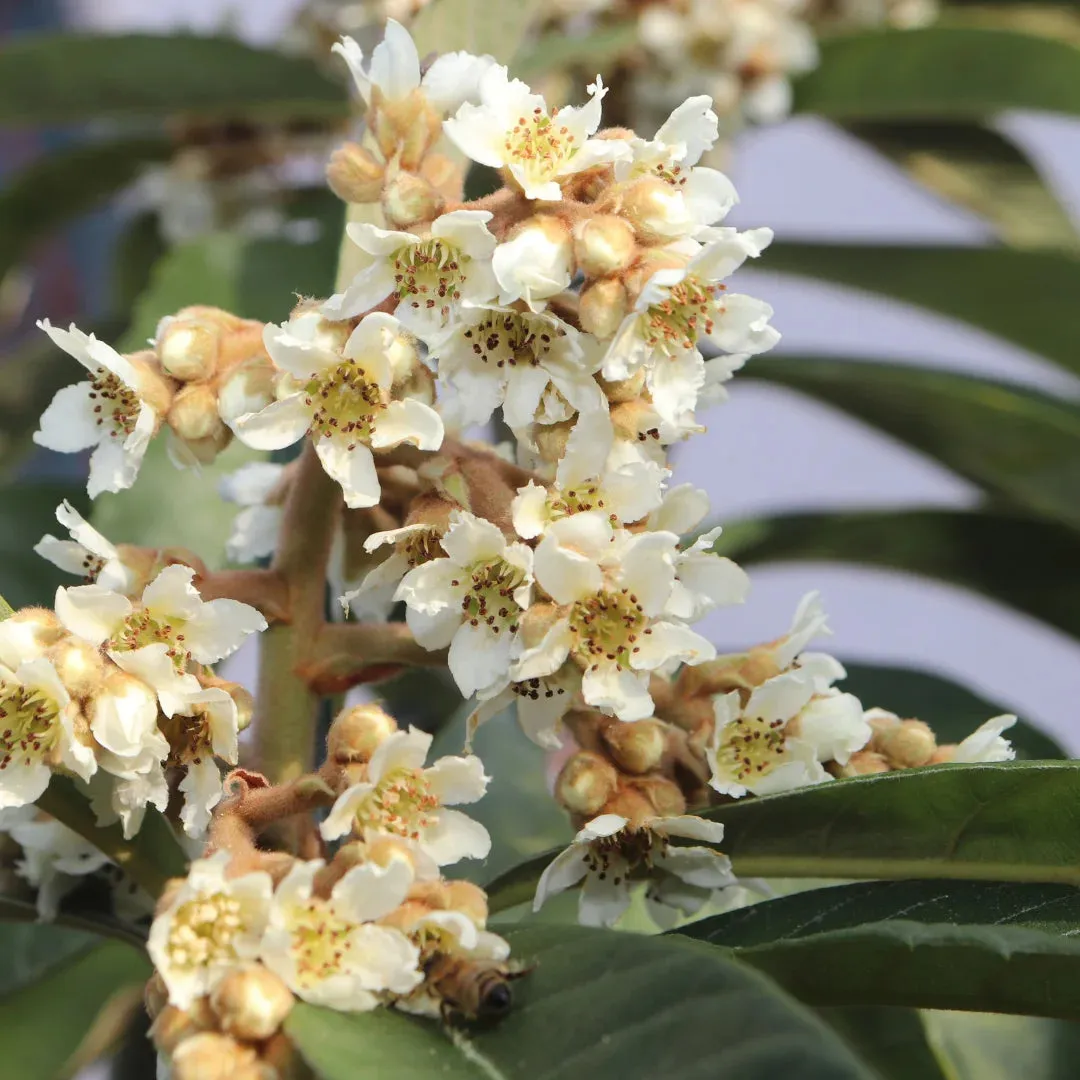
pixel 150 858
pixel 72 1013
pixel 596 1004
pixel 57 188
pixel 979 169
pixel 991 1046
pixel 27 512
pixel 941 72
pixel 952 710
pixel 75 928
pixel 1012 441
pixel 57 78
pixel 980 286
pixel 1023 562
pixel 947 945
pixel 964 822
pixel 892 1041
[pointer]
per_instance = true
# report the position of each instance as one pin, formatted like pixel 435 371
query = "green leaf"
pixel 952 710
pixel 149 858
pixel 137 251
pixel 598 1004
pixel 64 78
pixel 474 25
pixel 596 50
pixel 518 810
pixel 955 945
pixel 67 183
pixel 892 1041
pixel 76 927
pixel 31 949
pixel 980 170
pixel 1013 442
pixel 27 512
pixel 76 1010
pixel 976 285
pixel 940 72
pixel 991 553
pixel 980 1046
pixel 987 822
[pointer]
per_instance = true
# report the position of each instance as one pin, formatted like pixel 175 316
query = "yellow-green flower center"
pixel 607 626
pixel 539 143
pixel 141 628
pixel 204 931
pixel 401 804
pixel 488 597
pixel 750 747
pixel 28 724
pixel 512 339
pixel 344 403
pixel 320 940
pixel 689 309
pixel 115 405
pixel 428 276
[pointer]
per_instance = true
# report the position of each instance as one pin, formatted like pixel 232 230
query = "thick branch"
pixel 265 590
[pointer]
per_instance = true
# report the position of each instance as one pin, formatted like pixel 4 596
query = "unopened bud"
pixel 907 745
pixel 32 631
pixel 151 384
pixel 656 209
pixel 194 415
pixel 538 260
pixel 603 306
pixel 248 387
pixel 188 346
pixel 251 1003
pixel 172 1026
pixel 624 389
pixel 943 755
pixel 79 664
pixel 862 763
pixel 409 199
pixel 357 733
pixel 551 439
pixel 664 795
pixel 585 783
pixel 629 803
pixel 443 174
pixel 212 1056
pixel 406 127
pixel 637 277
pixel 635 747
pixel 603 245
pixel 469 899
pixel 354 175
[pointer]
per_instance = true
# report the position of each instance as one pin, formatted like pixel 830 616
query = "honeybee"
pixel 472 989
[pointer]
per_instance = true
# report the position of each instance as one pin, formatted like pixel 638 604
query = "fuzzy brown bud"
pixel 354 175
pixel 624 389
pixel 603 245
pixel 172 1026
pixel 79 664
pixel 195 419
pixel 409 199
pixel 33 630
pixel 151 384
pixel 906 745
pixel 629 803
pixel 251 1003
pixel 586 783
pixel 247 387
pixel 407 127
pixel 863 763
pixel 603 306
pixel 469 899
pixel 188 345
pixel 664 795
pixel 212 1056
pixel 656 210
pixel 357 733
pixel 636 748
pixel 943 754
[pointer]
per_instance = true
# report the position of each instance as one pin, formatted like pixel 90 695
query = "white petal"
pixel 395 64
pixel 613 689
pixel 529 511
pixel 743 325
pixel 251 484
pixel 604 901
pixel 408 421
pixel 219 629
pixel 562 873
pixel 986 743
pixel 401 750
pixel 202 790
pixel 665 642
pixel 339 821
pixel 172 595
pixel 780 697
pixel 91 612
pixel 546 657
pixel 457 780
pixel 69 556
pixel 478 658
pixel 471 539
pixel 82 532
pixel 353 467
pixel 370 891
pixel 112 468
pixel 456 836
pixel 279 425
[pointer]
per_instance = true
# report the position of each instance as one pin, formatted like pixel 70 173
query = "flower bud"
pixel 251 1003
pixel 188 347
pixel 212 1056
pixel 469 899
pixel 407 127
pixel 862 763
pixel 32 631
pixel 358 732
pixel 624 389
pixel 444 175
pixel 943 754
pixel 603 306
pixel 656 210
pixel 585 783
pixel 603 245
pixel 629 803
pixel 194 416
pixel 636 747
pixel 247 387
pixel 173 1026
pixel 907 744
pixel 79 664
pixel 537 261
pixel 408 200
pixel 664 795
pixel 353 175
pixel 151 385
pixel 551 439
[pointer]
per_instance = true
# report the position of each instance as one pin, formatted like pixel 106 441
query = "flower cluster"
pixel 247 931
pixel 113 687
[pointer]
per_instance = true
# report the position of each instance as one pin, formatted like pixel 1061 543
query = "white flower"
pixel 470 601
pixel 609 852
pixel 329 951
pixel 541 702
pixel 157 637
pixel 257 525
pixel 37 732
pixel 414 545
pixel 985 743
pixel 432 276
pixel 537 367
pixel 395 71
pixel 511 128
pixel 205 731
pixel 612 588
pixel 106 413
pixel 402 798
pixel 535 265
pixel 87 554
pixel 700 196
pixel 343 399
pixel 213 924
pixel 680 306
